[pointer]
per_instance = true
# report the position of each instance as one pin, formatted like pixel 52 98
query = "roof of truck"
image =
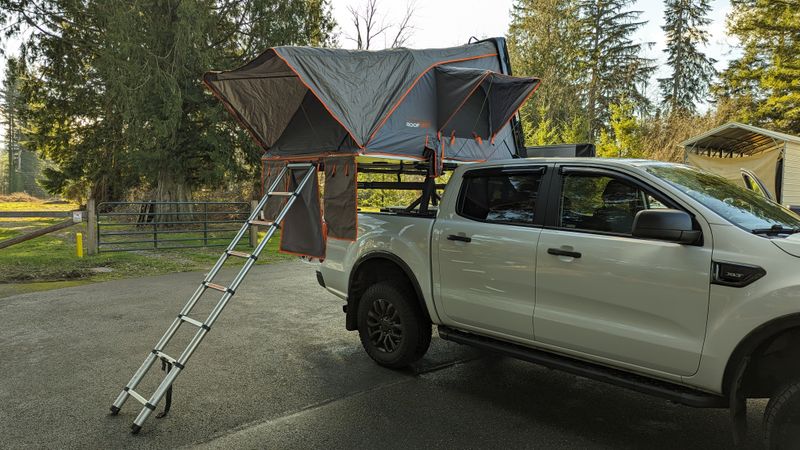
pixel 582 161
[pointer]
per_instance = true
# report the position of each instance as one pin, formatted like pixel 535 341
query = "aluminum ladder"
pixel 177 365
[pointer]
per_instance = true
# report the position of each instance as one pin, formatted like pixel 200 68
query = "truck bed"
pixel 379 232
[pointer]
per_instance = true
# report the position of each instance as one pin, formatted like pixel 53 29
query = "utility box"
pixel 561 151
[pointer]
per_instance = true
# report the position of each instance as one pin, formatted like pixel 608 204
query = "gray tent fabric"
pixel 302 230
pixel 303 101
pixel 339 198
pixel 336 78
pixel 474 102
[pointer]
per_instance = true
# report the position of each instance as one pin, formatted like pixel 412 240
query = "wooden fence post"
pixel 253 228
pixel 91 227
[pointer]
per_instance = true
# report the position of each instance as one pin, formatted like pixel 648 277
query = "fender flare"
pixel 756 337
pixel 380 254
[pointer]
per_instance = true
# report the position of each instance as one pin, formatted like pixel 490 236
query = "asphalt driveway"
pixel 279 371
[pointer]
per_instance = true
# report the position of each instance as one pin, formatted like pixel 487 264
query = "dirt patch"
pixel 53 274
pixel 19 197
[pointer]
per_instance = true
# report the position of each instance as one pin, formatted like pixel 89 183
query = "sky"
pixel 443 23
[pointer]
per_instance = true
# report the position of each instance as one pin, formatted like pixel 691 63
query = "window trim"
pixel 552 221
pixel 541 200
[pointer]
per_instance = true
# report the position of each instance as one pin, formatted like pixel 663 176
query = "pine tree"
pixel 763 82
pixel 692 71
pixel 22 166
pixel 624 140
pixel 611 61
pixel 117 101
pixel 544 133
pixel 542 40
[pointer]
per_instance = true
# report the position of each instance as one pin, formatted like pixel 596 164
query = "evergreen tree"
pixel 624 139
pixel 763 82
pixel 692 71
pixel 544 133
pixel 21 165
pixel 542 40
pixel 117 100
pixel 611 61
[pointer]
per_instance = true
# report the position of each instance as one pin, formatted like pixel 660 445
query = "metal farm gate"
pixel 149 225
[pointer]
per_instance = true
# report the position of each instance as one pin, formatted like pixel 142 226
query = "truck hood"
pixel 790 245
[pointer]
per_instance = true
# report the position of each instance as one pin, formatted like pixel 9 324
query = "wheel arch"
pixel 752 349
pixel 362 275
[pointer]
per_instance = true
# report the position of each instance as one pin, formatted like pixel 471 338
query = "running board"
pixel 638 383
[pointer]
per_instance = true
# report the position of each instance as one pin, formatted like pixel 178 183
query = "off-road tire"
pixel 782 418
pixel 392 308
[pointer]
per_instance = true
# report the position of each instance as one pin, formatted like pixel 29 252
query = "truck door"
pixel 484 251
pixel 602 293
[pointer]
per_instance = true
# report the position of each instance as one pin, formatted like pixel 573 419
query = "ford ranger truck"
pixel 653 276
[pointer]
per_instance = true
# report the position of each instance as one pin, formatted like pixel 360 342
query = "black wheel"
pixel 393 329
pixel 782 418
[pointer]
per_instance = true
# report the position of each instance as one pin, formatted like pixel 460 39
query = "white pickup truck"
pixel 653 276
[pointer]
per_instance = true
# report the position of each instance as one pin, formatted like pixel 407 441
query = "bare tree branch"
pixel 369 25
pixel 355 16
pixel 405 29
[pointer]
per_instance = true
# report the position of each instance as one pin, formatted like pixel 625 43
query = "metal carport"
pixel 772 156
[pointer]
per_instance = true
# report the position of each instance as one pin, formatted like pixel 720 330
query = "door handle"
pixel 458 237
pixel 559 252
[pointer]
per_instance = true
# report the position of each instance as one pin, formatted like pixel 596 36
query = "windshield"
pixel 741 207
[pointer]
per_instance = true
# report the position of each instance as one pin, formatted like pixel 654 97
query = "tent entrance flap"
pixel 302 102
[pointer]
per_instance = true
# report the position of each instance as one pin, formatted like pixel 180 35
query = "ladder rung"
pixel 165 356
pixel 218 287
pixel 240 254
pixel 281 194
pixel 137 396
pixel 265 223
pixel 194 322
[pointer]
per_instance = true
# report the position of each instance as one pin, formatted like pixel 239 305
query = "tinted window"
pixel 602 203
pixel 741 207
pixel 502 198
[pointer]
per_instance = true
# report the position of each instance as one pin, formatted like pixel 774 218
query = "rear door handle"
pixel 559 252
pixel 458 237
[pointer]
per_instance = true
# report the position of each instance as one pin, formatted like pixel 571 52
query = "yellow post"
pixel 79 244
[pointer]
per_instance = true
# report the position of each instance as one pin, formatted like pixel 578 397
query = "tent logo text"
pixel 419 124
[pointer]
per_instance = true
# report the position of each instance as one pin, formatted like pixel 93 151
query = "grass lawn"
pixel 36 206
pixel 50 261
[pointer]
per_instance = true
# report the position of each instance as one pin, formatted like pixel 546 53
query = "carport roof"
pixel 735 137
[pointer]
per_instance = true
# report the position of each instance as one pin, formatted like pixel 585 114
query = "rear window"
pixel 497 197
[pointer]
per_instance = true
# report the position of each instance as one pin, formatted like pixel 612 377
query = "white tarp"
pixel 763 164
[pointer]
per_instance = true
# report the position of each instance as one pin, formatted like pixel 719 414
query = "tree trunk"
pixel 172 188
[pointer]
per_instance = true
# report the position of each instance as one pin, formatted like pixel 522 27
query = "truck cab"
pixel 657 276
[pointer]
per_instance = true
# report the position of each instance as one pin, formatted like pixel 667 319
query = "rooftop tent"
pixel 342 107
pixel 734 149
pixel 301 102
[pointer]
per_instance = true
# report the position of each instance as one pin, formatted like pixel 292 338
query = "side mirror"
pixel 665 225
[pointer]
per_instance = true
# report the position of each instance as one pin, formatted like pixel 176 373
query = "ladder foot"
pixel 135 428
pixel 114 410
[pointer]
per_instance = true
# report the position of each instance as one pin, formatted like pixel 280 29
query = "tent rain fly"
pixel 302 102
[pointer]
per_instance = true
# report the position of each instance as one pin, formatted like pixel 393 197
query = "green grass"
pixel 50 261
pixel 37 206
